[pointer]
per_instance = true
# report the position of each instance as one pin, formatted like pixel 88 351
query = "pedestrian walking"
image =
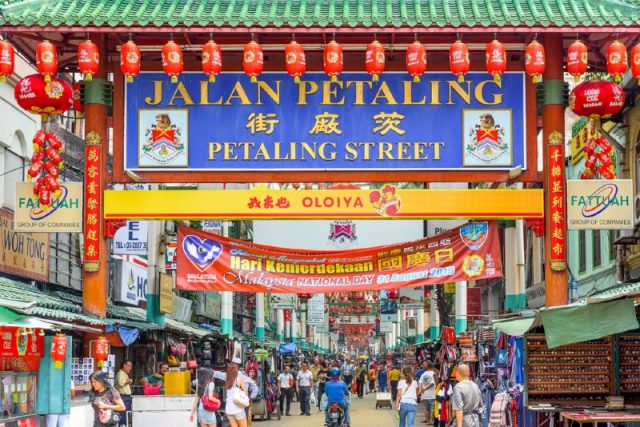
pixel 407 398
pixel 323 377
pixel 427 385
pixel 205 394
pixel 236 415
pixel 347 372
pixel 106 401
pixel 304 387
pixel 123 385
pixel 383 379
pixel 361 377
pixel 394 378
pixel 372 379
pixel 285 384
pixel 467 399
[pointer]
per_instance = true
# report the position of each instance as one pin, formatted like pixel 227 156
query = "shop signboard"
pixel 212 226
pixel 388 308
pixel 131 239
pixel 315 310
pixel 170 251
pixel 64 215
pixel 412 298
pixel 386 327
pixel 450 288
pixel 23 254
pixel 131 287
pixel 207 262
pixel 353 124
pixel 383 203
pixel 600 204
pixel 166 293
pixel 21 342
pixel 285 302
pixel 474 303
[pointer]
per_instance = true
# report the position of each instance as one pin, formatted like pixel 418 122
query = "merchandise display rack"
pixel 571 375
pixel 629 367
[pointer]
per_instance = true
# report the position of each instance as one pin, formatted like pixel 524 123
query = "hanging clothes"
pixel 501 411
pixel 488 392
pixel 516 359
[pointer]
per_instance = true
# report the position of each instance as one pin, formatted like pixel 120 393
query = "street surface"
pixel 363 414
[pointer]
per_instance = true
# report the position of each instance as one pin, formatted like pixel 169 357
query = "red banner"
pixel 474 303
pixel 557 228
pixel 207 262
pixel 21 342
pixel 93 206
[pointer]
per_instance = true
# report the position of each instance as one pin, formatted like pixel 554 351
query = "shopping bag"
pixel 312 399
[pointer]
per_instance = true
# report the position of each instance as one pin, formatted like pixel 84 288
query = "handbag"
pixel 208 404
pixel 468 354
pixel 240 398
pixel 466 339
pixel 109 417
pixel 448 335
pixel 192 363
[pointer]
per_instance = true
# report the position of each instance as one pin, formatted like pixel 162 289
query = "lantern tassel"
pixel 212 78
pixel 416 79
pixel 576 78
pixel 460 78
pixel 100 363
pixel 375 78
pixel 617 78
pixel 496 78
pixel 129 79
pixel 334 79
pixel 254 79
pixel 57 364
pixel 296 80
pixel 47 78
pixel 3 79
pixel 174 79
pixel 88 77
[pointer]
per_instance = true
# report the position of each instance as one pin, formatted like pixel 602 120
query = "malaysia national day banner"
pixel 208 262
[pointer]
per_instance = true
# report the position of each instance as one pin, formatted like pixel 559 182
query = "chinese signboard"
pixel 557 207
pixel 64 215
pixel 353 124
pixel 600 204
pixel 21 342
pixel 386 202
pixel 208 262
pixel 315 310
pixel 93 198
pixel 23 254
pixel 131 239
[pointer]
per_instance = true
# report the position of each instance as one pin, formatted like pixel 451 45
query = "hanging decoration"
pixel 77 101
pixel 459 60
pixel 295 60
pixel 102 351
pixel 416 60
pixel 556 189
pixel 577 62
pixel 88 59
pixel 7 60
pixel 59 350
pixel 211 60
pixel 599 163
pixel 333 60
pixel 496 60
pixel 46 164
pixel 39 96
pixel 253 60
pixel 536 225
pixel 172 60
pixel 375 60
pixel 304 297
pixel 635 62
pixel 617 62
pixel 130 60
pixel 534 61
pixel 46 59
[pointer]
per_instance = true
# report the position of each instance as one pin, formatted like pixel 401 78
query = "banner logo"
pixel 488 139
pixel 602 198
pixel 163 140
pixel 386 201
pixel 201 253
pixel 342 233
pixel 473 265
pixel 474 234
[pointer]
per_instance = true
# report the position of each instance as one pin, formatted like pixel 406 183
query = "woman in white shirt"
pixel 407 399
pixel 234 384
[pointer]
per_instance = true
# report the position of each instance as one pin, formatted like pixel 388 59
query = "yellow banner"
pixel 385 203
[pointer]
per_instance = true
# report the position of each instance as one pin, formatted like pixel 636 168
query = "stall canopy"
pixel 576 322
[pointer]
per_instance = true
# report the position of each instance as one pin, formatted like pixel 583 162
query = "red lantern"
pixel 295 61
pixel 304 297
pixel 172 60
pixel 577 59
pixel 38 96
pixel 635 62
pixel 46 59
pixel 253 60
pixel 496 59
pixel 331 320
pixel 7 60
pixel 374 60
pixel 416 60
pixel 393 294
pixel 130 60
pixel 333 61
pixel 211 60
pixel 102 351
pixel 459 60
pixel 534 61
pixel 597 99
pixel 88 59
pixel 77 102
pixel 617 60
pixel 58 350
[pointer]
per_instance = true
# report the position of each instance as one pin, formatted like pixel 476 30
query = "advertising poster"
pixel 388 308
pixel 600 204
pixel 207 262
pixel 315 310
pixel 412 298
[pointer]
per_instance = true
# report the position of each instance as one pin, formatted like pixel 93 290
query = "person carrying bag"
pixel 206 402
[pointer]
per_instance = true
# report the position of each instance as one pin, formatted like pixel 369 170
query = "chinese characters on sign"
pixel 557 228
pixel 93 200
pixel 21 342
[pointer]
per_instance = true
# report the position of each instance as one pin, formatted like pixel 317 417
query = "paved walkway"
pixel 363 414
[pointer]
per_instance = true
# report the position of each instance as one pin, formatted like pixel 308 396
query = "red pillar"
pixel 95 274
pixel 556 291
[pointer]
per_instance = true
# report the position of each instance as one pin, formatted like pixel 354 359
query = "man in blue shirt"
pixel 336 391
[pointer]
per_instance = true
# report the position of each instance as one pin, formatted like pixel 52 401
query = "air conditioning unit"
pixel 624 237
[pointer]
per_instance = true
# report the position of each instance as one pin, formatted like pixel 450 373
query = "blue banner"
pixel 354 124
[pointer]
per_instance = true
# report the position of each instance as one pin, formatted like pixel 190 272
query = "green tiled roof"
pixel 320 13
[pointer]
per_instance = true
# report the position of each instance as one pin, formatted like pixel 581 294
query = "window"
pixel 612 247
pixel 597 249
pixel 13 173
pixel 582 251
